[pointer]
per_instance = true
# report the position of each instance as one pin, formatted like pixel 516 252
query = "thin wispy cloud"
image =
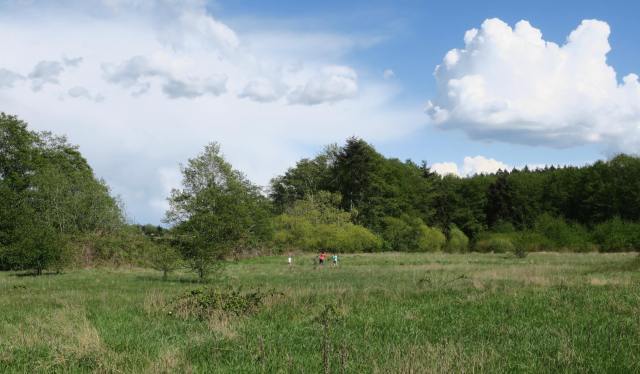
pixel 184 78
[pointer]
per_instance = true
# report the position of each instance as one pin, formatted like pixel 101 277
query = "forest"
pixel 56 213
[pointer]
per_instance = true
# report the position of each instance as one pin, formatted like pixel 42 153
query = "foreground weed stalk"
pixel 325 318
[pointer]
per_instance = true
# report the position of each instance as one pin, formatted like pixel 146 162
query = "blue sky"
pixel 143 85
pixel 417 34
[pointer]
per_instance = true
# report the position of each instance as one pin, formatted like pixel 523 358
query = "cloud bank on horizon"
pixel 511 85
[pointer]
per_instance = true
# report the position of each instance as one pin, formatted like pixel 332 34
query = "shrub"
pixel 562 235
pixel 204 303
pixel 431 239
pixel 353 238
pixel 293 233
pixel 38 247
pixel 531 241
pixel 520 252
pixel 397 234
pixel 504 227
pixel 410 234
pixel 458 241
pixel 617 235
pixel 297 233
pixel 125 245
pixel 496 243
pixel 164 258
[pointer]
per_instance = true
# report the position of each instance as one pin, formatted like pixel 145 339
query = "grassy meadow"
pixel 375 313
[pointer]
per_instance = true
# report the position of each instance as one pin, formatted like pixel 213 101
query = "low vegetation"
pixel 477 288
pixel 380 313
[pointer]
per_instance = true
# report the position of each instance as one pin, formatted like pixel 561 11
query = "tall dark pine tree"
pixel 356 175
pixel 500 200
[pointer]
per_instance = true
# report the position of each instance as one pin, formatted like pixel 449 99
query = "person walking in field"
pixel 290 261
pixel 322 257
pixel 334 259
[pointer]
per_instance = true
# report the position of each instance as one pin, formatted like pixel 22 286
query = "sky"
pixel 469 86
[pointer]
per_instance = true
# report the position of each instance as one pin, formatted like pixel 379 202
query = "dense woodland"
pixel 56 213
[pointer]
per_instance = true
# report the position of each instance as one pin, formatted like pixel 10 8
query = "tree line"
pixel 54 212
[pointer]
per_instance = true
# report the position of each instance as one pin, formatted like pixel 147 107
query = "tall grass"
pixel 380 313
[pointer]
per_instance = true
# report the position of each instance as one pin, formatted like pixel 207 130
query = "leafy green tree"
pixel 357 178
pixel 47 188
pixel 308 177
pixel 164 258
pixel 217 210
pixel 37 247
pixel 500 207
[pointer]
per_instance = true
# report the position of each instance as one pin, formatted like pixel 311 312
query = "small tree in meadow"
pixel 164 258
pixel 217 210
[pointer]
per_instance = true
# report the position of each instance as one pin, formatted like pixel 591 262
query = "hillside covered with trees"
pixel 55 212
pixel 568 208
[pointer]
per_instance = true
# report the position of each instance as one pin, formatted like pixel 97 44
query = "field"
pixel 407 313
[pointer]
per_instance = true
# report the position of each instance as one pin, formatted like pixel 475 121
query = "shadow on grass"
pixel 627 266
pixel 183 280
pixel 34 274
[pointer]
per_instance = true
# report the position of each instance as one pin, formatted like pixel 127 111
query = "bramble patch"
pixel 203 303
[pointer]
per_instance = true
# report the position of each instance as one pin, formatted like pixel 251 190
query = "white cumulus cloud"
pixel 482 165
pixel 445 168
pixel 333 83
pixel 511 84
pixel 470 166
pixel 261 90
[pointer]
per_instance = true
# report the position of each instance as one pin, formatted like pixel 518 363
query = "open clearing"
pixel 388 312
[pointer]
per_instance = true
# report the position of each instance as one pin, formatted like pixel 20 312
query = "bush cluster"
pixel 458 241
pixel 617 235
pixel 410 234
pixel 496 243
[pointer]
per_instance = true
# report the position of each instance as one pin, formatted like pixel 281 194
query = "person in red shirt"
pixel 322 257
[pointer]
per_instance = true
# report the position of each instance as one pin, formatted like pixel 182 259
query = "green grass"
pixel 394 312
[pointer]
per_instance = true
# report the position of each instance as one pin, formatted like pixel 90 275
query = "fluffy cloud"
pixel 334 83
pixel 482 165
pixel 470 166
pixel 445 168
pixel 261 90
pixel 510 84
